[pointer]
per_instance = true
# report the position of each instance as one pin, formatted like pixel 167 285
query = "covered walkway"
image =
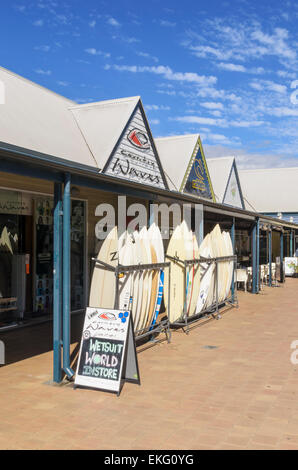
pixel 229 384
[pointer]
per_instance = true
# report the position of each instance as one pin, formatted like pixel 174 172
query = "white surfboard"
pixel 125 282
pixel 206 275
pixel 136 259
pixel 138 279
pixel 189 272
pixel 144 235
pixel 196 278
pixel 230 264
pixel 156 238
pixel 212 254
pixel 147 278
pixel 176 249
pixel 103 284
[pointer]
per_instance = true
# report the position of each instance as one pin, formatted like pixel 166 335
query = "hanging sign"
pixel 107 354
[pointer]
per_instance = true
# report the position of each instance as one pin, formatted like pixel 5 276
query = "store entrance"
pixel 16 252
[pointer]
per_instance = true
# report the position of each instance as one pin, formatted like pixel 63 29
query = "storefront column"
pixel 270 255
pixel 57 283
pixel 233 244
pixel 281 256
pixel 254 259
pixel 291 243
pixel 66 277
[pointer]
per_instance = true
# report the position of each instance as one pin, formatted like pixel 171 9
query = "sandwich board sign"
pixel 107 355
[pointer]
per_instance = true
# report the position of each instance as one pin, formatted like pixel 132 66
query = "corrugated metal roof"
pixel 39 120
pixel 271 189
pixel 175 153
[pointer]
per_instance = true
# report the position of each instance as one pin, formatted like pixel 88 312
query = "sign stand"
pixel 130 372
pixel 107 356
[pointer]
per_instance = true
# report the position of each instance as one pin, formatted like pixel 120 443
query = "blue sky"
pixel 226 70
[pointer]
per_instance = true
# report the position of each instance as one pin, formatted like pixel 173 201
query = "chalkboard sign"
pixel 107 354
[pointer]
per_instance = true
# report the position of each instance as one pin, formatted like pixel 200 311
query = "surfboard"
pixel 125 281
pixel 189 272
pixel 136 259
pixel 103 284
pixel 176 249
pixel 230 264
pixel 154 287
pixel 206 275
pixel 148 276
pixel 196 278
pixel 212 254
pixel 157 241
pixel 138 278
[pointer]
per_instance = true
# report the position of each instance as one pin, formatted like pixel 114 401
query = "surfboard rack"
pixel 155 327
pixel 213 310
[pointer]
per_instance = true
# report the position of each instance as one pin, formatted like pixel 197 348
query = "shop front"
pixel 26 255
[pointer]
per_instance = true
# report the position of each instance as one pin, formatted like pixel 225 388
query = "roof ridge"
pixel 36 85
pixel 104 103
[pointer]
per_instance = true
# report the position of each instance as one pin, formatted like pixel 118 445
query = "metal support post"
pixel 281 257
pixel 254 259
pixel 270 255
pixel 66 277
pixel 233 244
pixel 57 278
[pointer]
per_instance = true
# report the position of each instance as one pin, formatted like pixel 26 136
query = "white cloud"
pixel 157 107
pixel 94 51
pixel 154 121
pixel 42 48
pixel 38 23
pixel 43 72
pixel 62 83
pixel 231 67
pixel 212 105
pixel 113 22
pixel 284 112
pixel 218 122
pixel 147 56
pixel 286 74
pixel 167 24
pixel 167 73
pixel 92 24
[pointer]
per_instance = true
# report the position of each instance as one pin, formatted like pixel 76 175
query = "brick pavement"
pixel 240 395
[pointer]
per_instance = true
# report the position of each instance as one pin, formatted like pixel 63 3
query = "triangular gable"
pixel 197 179
pixel 184 164
pixel 134 156
pixel 102 123
pixel 233 193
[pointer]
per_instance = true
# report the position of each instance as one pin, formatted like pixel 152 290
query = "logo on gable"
pixel 138 139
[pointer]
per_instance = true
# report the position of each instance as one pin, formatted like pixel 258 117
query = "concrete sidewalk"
pixel 241 394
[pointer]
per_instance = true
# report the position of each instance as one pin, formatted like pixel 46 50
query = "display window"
pixel 26 256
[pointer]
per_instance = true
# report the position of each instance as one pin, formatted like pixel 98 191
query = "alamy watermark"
pixel 294 94
pixel 136 216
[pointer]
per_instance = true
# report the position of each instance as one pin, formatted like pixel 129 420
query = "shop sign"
pixel 232 195
pixel 134 157
pixel 107 354
pixel 14 202
pixel 198 182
